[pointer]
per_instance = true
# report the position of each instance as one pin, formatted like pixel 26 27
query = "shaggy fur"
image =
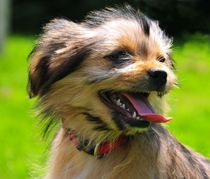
pixel 113 49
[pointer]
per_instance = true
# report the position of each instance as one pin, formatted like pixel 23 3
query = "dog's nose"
pixel 158 78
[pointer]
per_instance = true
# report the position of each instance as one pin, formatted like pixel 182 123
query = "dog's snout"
pixel 157 77
pixel 157 74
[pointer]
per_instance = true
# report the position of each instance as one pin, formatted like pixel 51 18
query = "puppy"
pixel 105 80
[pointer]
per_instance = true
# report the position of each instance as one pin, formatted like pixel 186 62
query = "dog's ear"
pixel 58 52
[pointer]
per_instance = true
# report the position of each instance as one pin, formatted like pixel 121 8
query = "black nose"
pixel 158 78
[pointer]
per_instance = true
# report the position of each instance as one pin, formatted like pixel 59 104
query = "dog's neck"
pixel 142 151
pixel 98 150
pixel 151 154
pixel 103 148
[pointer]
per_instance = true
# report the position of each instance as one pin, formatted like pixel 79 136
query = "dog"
pixel 105 81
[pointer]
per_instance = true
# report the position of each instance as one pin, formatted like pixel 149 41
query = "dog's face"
pixel 104 75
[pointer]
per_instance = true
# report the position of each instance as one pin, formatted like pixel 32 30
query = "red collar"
pixel 100 149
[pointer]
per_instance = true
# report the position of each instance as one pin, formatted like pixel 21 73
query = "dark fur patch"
pixel 45 77
pixel 97 18
pixel 144 22
pixel 41 70
pixel 192 161
pixel 144 49
pixel 187 154
pixel 100 125
pixel 203 171
pixel 69 65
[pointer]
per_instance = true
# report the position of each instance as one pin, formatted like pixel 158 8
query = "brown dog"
pixel 106 80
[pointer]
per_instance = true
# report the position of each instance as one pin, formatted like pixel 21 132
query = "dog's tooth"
pixel 138 118
pixel 128 109
pixel 134 114
pixel 123 106
pixel 118 102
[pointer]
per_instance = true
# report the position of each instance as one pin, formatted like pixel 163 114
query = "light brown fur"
pixel 69 67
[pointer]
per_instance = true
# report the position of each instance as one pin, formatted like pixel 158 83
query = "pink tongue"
pixel 145 110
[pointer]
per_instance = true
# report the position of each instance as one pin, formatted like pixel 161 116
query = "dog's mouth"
pixel 133 108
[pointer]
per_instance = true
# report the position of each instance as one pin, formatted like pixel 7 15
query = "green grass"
pixel 21 149
pixel 190 104
pixel 20 144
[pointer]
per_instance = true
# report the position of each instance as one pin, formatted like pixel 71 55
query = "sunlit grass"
pixel 21 149
pixel 190 104
pixel 19 136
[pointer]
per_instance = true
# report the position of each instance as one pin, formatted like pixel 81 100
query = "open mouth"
pixel 133 108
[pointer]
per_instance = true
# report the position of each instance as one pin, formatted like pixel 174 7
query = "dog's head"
pixel 104 75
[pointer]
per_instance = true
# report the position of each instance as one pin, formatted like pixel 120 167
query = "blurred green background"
pixel 22 150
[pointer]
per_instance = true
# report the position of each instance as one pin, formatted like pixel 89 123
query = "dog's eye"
pixel 161 59
pixel 118 57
